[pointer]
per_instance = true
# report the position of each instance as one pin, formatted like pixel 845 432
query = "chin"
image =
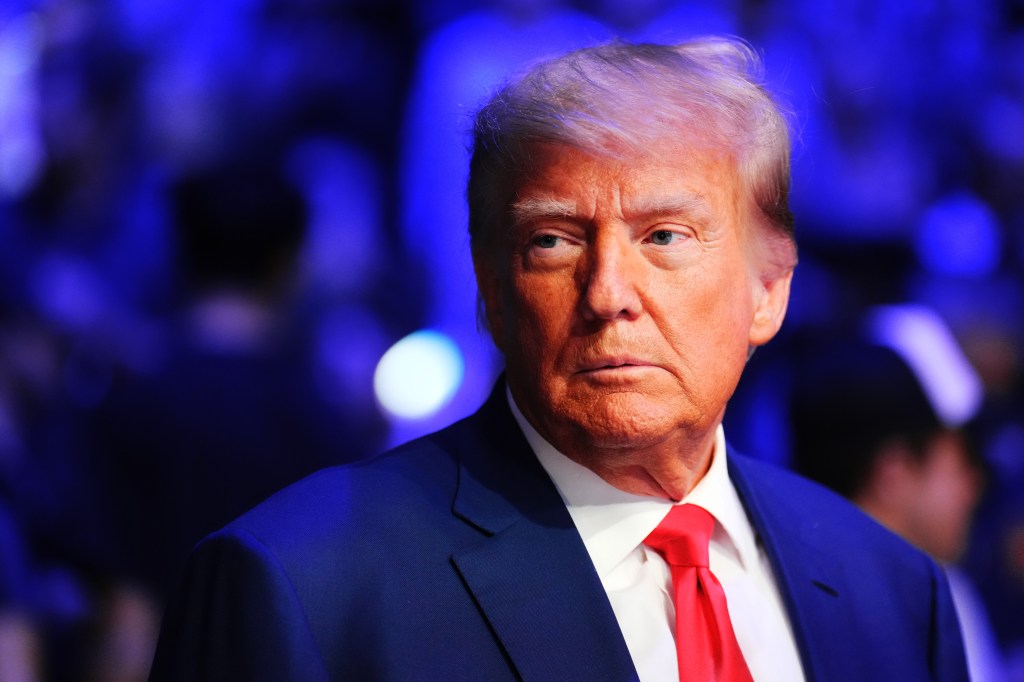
pixel 625 420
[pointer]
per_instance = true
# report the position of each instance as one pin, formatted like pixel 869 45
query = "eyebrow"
pixel 692 206
pixel 530 210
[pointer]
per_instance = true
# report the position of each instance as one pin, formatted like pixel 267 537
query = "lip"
pixel 615 362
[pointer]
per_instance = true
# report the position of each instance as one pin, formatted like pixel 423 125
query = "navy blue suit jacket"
pixel 453 557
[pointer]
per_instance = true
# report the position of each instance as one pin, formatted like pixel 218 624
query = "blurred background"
pixel 232 251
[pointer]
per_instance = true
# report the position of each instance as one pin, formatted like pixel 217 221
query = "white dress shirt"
pixel 613 525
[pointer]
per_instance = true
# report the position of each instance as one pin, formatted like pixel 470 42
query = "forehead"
pixel 670 176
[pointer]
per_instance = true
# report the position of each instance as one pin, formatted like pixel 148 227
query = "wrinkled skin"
pixel 626 297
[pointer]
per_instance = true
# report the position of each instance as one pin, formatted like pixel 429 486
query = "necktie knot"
pixel 683 536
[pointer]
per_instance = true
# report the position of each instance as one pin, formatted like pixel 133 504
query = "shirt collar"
pixel 613 523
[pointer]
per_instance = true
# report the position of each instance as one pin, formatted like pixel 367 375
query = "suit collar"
pixel 530 572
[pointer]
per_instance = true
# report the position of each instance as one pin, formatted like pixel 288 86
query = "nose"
pixel 612 279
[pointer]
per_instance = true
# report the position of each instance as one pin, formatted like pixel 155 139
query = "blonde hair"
pixel 622 97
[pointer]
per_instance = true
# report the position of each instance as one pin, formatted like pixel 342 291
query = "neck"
pixel 884 513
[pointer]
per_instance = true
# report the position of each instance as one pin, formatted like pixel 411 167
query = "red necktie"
pixel 705 642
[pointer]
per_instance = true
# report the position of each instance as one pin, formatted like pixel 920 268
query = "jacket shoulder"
pixel 408 480
pixel 779 492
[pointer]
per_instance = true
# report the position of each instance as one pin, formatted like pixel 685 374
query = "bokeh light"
pixel 418 375
pixel 959 235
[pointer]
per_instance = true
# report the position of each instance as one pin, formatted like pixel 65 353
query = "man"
pixel 890 452
pixel 895 453
pixel 632 244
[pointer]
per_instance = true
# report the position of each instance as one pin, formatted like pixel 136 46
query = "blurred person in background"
pixel 233 411
pixel 862 423
pixel 230 413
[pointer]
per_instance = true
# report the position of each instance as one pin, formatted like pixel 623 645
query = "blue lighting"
pixel 21 148
pixel 960 236
pixel 927 345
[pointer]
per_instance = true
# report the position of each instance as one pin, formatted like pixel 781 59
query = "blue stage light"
pixel 959 235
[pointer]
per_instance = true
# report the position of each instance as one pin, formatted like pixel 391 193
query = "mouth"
pixel 613 363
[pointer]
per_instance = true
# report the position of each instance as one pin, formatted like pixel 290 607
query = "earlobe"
pixel 771 298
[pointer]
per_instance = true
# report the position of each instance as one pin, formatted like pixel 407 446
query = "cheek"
pixel 540 315
pixel 955 494
pixel 711 308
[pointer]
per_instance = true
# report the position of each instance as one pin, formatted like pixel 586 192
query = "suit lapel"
pixel 533 580
pixel 530 574
pixel 813 585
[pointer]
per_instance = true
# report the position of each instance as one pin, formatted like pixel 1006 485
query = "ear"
pixel 489 284
pixel 771 298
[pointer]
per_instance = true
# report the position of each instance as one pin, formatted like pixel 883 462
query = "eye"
pixel 663 237
pixel 551 248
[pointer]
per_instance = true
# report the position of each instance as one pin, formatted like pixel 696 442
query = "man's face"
pixel 627 295
pixel 939 497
